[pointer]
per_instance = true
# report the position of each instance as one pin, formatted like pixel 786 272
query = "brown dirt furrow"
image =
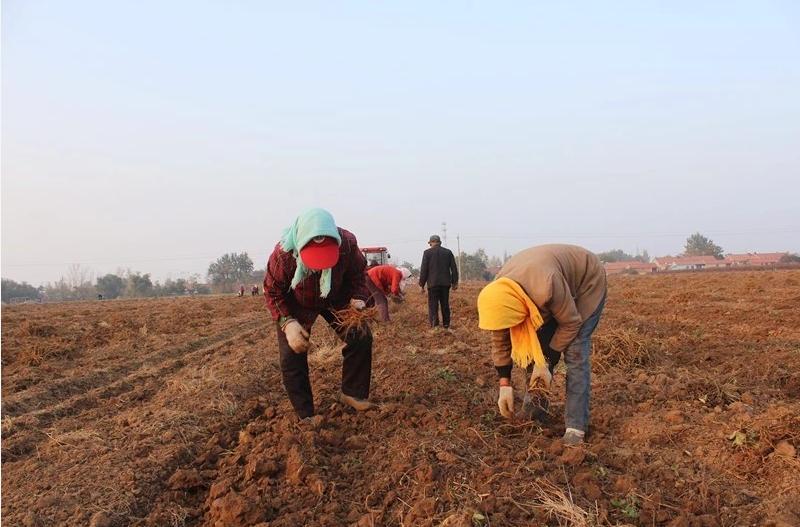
pixel 114 459
pixel 79 381
pixel 135 388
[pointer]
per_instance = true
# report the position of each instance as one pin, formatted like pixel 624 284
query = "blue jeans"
pixel 579 368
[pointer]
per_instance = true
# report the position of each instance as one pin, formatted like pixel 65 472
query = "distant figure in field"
pixel 317 269
pixel 385 280
pixel 99 296
pixel 546 300
pixel 439 272
pixel 241 290
pixel 254 290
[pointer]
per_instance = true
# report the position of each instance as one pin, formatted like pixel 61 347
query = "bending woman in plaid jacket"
pixel 315 269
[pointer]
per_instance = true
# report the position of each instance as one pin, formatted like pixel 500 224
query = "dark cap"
pixel 435 239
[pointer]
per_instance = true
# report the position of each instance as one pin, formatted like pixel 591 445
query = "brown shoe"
pixel 356 403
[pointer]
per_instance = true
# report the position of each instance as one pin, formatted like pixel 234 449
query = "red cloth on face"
pixel 348 281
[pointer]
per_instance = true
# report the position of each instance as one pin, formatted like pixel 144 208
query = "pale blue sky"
pixel 159 135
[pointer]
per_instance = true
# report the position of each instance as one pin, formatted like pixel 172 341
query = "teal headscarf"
pixel 308 225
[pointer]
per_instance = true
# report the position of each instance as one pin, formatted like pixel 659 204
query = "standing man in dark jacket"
pixel 439 272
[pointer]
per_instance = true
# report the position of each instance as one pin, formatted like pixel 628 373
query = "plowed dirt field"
pixel 171 412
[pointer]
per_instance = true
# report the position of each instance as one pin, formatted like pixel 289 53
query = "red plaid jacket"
pixel 348 280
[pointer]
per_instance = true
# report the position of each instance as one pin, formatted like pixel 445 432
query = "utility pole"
pixel 460 258
pixel 444 233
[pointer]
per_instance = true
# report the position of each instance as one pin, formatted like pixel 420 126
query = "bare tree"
pixel 78 276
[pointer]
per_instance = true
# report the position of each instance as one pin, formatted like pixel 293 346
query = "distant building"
pixel 686 263
pixel 633 267
pixel 755 259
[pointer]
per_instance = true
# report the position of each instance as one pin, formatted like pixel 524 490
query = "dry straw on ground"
pixel 621 348
pixel 560 506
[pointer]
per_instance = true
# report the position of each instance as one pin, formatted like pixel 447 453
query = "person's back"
pixel 438 271
pixel 582 272
pixel 387 278
pixel 438 267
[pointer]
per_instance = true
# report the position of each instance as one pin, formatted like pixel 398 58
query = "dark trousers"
pixel 378 298
pixel 356 367
pixel 439 295
pixel 545 334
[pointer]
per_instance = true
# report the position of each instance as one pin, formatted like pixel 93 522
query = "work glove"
pixel 541 378
pixel 358 304
pixel 297 336
pixel 506 401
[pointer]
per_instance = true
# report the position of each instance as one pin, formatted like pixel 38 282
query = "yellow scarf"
pixel 503 304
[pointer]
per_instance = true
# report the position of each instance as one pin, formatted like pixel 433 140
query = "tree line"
pixel 224 275
pixel 232 270
pixel 123 284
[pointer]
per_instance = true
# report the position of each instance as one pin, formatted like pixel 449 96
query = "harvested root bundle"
pixel 350 319
pixel 538 389
pixel 535 379
pixel 536 401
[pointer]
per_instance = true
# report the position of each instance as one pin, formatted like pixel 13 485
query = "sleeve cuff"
pixel 504 371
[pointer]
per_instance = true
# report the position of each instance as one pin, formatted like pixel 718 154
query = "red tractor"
pixel 376 255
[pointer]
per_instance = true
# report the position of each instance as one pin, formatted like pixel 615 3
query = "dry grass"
pixel 33 329
pixel 8 425
pixel 559 506
pixel 177 516
pixel 197 382
pixel 226 403
pixel 33 356
pixel 80 442
pixel 620 347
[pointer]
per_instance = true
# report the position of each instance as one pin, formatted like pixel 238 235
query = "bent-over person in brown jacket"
pixel 545 302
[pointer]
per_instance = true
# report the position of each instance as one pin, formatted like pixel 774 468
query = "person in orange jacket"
pixel 386 280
